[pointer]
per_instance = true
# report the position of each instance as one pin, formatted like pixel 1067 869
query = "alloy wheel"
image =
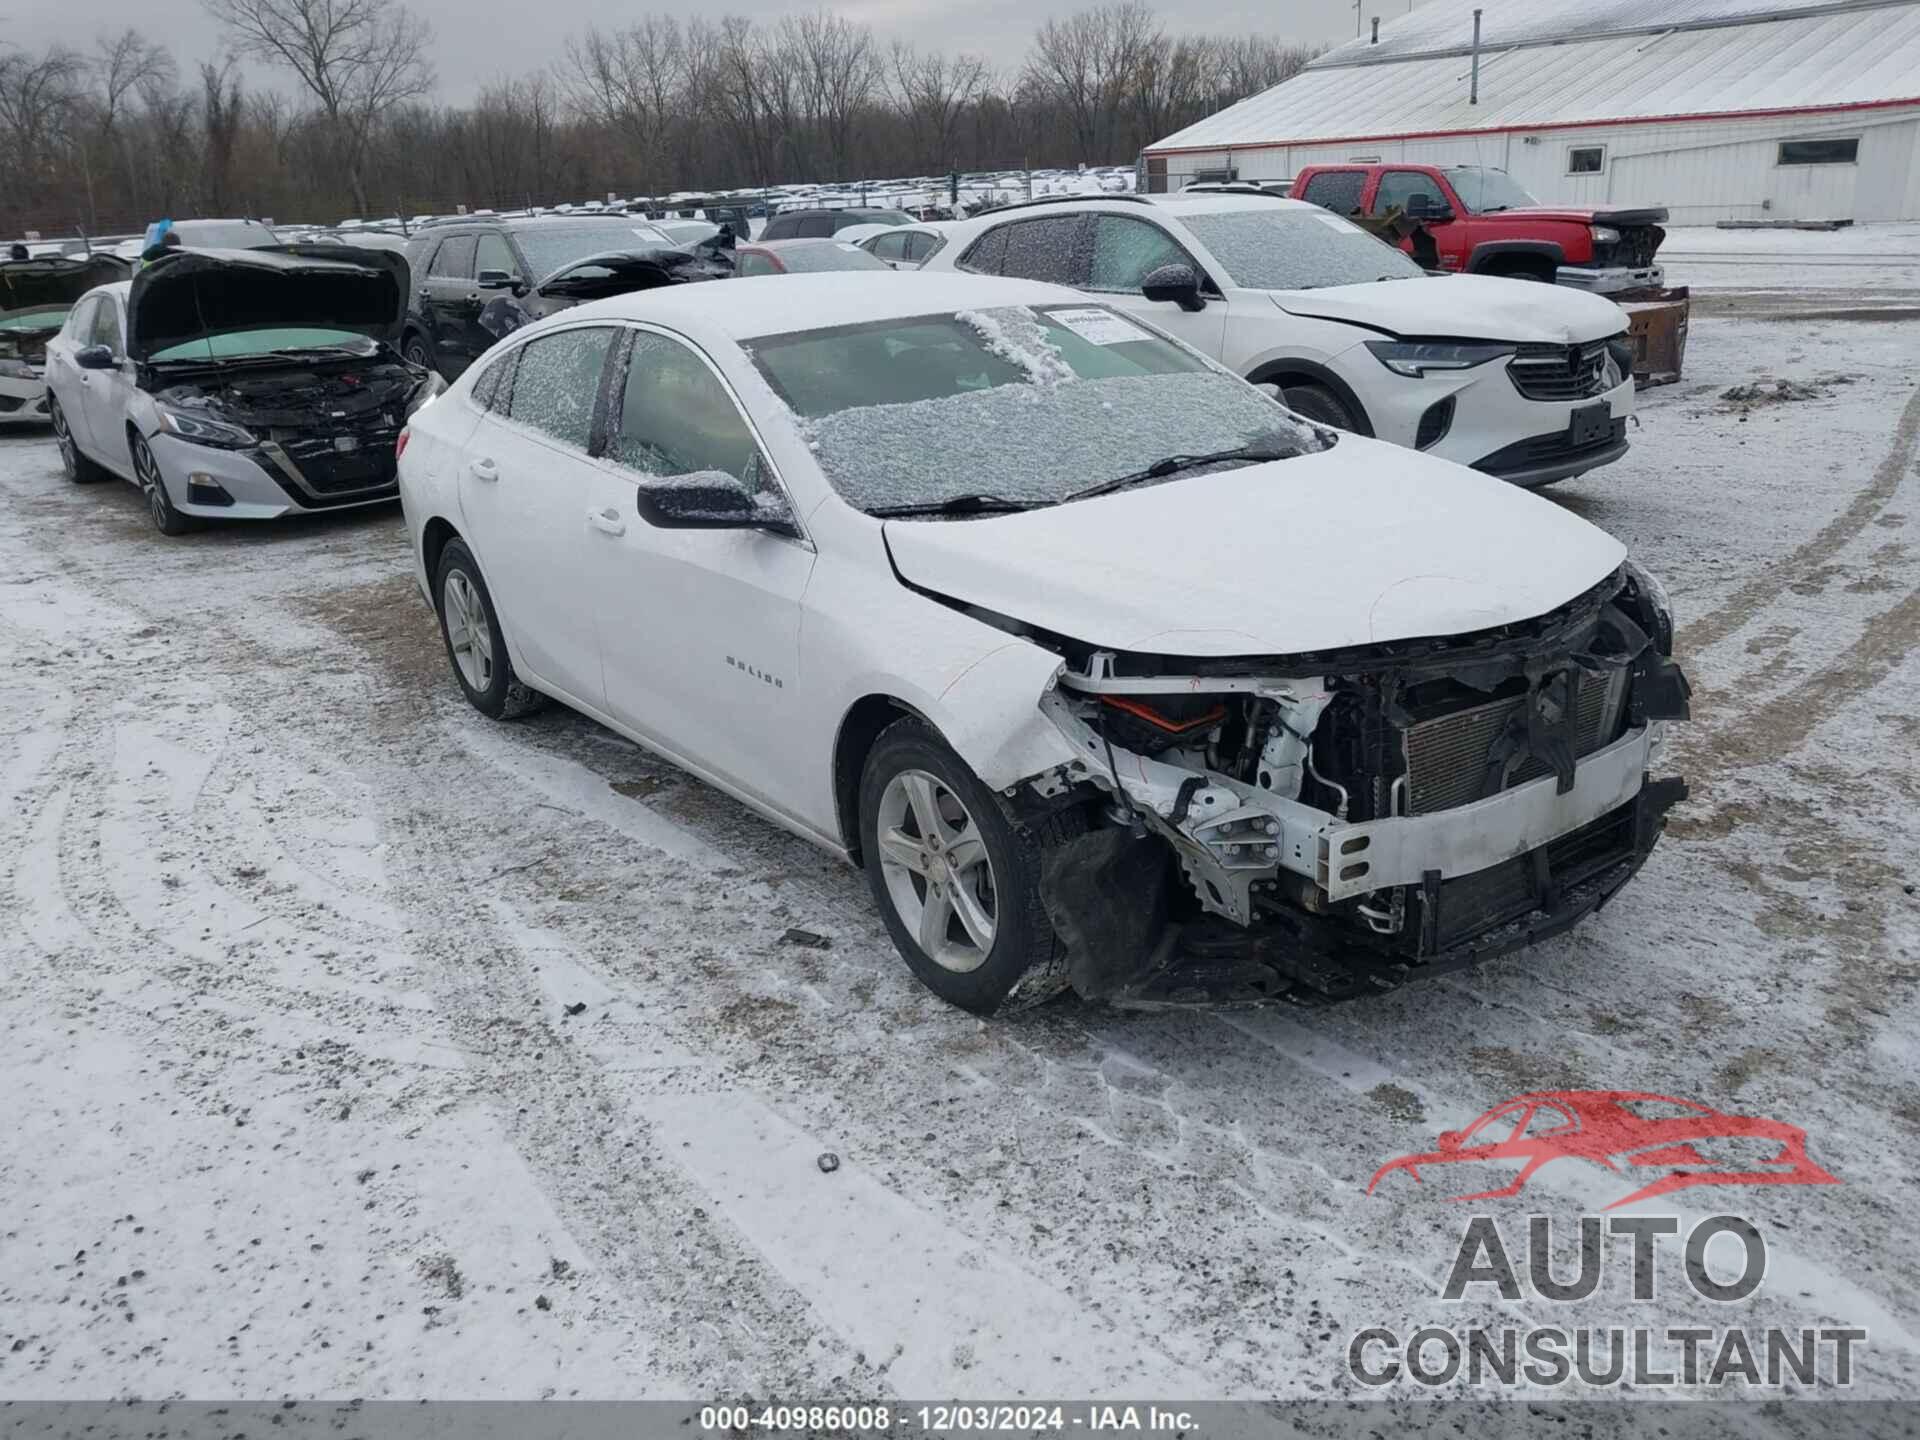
pixel 937 871
pixel 148 473
pixel 63 437
pixel 469 636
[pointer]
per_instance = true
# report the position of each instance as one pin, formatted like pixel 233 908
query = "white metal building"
pixel 1716 109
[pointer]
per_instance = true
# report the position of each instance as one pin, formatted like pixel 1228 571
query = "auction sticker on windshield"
pixel 1099 327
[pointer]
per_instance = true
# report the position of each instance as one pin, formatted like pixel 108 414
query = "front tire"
pixel 1318 403
pixel 79 469
pixel 415 350
pixel 476 647
pixel 956 878
pixel 146 471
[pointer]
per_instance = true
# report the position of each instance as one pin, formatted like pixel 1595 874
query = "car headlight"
pixel 17 370
pixel 203 431
pixel 1653 596
pixel 429 389
pixel 1605 235
pixel 1416 357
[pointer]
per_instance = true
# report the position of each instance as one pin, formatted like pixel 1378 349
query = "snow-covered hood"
pixel 1359 544
pixel 190 294
pixel 1467 307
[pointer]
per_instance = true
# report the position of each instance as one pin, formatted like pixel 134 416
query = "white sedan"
pixel 1109 670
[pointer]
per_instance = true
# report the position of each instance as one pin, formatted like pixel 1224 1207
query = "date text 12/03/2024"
pixel 945 1419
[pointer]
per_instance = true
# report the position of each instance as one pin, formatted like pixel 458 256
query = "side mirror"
pixel 94 357
pixel 712 500
pixel 498 280
pixel 1423 206
pixel 1177 283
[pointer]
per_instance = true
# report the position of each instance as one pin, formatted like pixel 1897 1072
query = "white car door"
pixel 524 488
pixel 107 393
pixel 1124 251
pixel 699 629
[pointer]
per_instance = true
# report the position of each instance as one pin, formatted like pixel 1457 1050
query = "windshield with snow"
pixel 1027 405
pixel 1486 192
pixel 550 244
pixel 1287 249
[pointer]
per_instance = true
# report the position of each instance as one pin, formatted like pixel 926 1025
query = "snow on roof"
pixel 782 304
pixel 1628 60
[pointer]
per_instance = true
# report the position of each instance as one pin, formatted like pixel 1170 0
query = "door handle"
pixel 483 470
pixel 607 522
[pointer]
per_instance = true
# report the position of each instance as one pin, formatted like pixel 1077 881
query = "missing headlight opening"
pixel 1322 826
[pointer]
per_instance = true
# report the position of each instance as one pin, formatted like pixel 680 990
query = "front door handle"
pixel 484 470
pixel 607 522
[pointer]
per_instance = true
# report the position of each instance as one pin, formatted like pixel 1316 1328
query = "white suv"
pixel 1529 382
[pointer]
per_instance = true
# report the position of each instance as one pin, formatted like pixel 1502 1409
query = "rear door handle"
pixel 483 470
pixel 607 522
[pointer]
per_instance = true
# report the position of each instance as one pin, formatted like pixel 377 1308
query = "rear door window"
pixel 988 253
pixel 1336 190
pixel 453 260
pixel 815 227
pixel 1047 249
pixel 557 383
pixel 891 247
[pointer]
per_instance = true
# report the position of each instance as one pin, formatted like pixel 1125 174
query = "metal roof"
pixel 1703 60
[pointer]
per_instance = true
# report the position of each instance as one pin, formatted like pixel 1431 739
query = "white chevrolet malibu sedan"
pixel 1110 672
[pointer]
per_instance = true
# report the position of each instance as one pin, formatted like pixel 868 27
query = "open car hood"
pixel 620 272
pixel 49 280
pixel 1464 307
pixel 1359 544
pixel 1583 215
pixel 190 294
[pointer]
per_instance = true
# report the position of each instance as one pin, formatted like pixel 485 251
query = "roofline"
pixel 1723 22
pixel 1229 146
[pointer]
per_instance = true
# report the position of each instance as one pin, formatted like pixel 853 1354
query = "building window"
pixel 1820 152
pixel 1586 159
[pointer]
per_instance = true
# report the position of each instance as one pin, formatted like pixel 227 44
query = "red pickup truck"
pixel 1475 220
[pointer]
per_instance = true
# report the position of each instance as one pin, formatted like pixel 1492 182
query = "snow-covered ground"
pixel 1861 267
pixel 354 1045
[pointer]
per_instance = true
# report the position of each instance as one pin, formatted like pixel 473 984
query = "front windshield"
pixel 555 243
pixel 40 317
pixel 244 344
pixel 886 217
pixel 1027 404
pixel 1484 191
pixel 225 235
pixel 829 255
pixel 1281 248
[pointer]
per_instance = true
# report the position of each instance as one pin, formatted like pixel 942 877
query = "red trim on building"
pixel 1707 115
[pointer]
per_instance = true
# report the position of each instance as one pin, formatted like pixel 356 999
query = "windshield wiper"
pixel 1174 464
pixel 960 505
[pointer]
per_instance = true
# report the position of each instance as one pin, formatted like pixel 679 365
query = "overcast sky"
pixel 477 40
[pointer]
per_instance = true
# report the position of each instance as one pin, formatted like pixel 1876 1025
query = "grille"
pixel 1447 755
pixel 1547 450
pixel 1471 904
pixel 1560 372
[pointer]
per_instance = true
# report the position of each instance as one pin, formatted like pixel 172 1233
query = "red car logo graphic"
pixel 1624 1130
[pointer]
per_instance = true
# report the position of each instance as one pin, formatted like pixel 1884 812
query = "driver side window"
pixel 676 418
pixel 106 327
pixel 1126 251
pixel 1398 187
pixel 494 254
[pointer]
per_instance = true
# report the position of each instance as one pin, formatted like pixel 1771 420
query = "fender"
pixel 1489 250
pixel 1320 375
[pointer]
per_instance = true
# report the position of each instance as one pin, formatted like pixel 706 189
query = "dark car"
pixel 796 257
pixel 599 276
pixel 459 267
pixel 819 224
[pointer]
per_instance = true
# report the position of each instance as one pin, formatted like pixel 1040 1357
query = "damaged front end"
pixel 1314 827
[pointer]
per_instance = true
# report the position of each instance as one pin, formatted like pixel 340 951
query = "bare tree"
pixel 841 75
pixel 222 113
pixel 357 58
pixel 935 90
pixel 631 81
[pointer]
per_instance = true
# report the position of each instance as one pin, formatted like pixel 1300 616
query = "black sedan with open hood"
pixel 250 383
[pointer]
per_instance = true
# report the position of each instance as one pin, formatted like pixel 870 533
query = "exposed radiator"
pixel 1447 755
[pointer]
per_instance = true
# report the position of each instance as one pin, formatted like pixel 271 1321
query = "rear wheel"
pixel 146 470
pixel 1317 402
pixel 79 468
pixel 475 645
pixel 416 351
pixel 956 878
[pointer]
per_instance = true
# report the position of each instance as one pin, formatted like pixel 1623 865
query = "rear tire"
pixel 146 471
pixel 416 352
pixel 1023 962
pixel 1318 403
pixel 476 647
pixel 80 470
